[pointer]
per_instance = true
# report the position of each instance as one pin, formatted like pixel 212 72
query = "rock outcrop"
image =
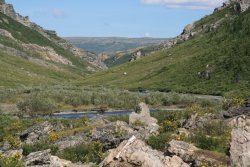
pixel 240 147
pixel 238 5
pixel 47 53
pixel 191 30
pixel 71 141
pixel 36 133
pixel 113 134
pixel 45 159
pixel 233 112
pixel 195 121
pixel 135 152
pixel 143 122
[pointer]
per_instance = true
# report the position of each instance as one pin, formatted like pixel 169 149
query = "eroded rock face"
pixel 135 152
pixel 238 5
pixel 240 147
pixel 47 53
pixel 244 5
pixel 36 133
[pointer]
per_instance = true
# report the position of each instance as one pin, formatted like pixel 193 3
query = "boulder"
pixel 71 141
pixel 143 122
pixel 240 147
pixel 57 162
pixel 38 158
pixel 181 149
pixel 98 120
pixel 113 134
pixel 194 121
pixel 233 112
pixel 36 133
pixel 135 152
pixel 45 159
pixel 193 155
pixel 238 121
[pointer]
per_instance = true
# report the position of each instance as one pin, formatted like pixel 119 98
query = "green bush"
pixel 36 104
pixel 28 148
pixel 159 142
pixel 168 126
pixel 213 136
pixel 10 161
pixel 84 153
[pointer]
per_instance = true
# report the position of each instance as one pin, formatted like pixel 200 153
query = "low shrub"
pixel 53 136
pixel 84 153
pixel 36 104
pixel 11 161
pixel 159 142
pixel 232 102
pixel 168 126
pixel 213 136
pixel 29 148
pixel 13 141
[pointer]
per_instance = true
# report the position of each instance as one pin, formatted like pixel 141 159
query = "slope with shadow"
pixel 214 61
pixel 30 55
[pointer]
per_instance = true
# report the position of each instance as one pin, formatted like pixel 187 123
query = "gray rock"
pixel 98 120
pixel 135 152
pixel 240 147
pixel 113 134
pixel 36 133
pixel 233 112
pixel 194 121
pixel 244 5
pixel 6 146
pixel 71 141
pixel 45 159
pixel 38 158
pixel 238 121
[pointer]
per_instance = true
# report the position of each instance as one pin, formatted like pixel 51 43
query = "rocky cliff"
pixel 193 29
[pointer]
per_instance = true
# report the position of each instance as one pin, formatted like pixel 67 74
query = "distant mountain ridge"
pixel 112 44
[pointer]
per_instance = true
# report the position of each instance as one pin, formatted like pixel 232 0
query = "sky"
pixel 115 18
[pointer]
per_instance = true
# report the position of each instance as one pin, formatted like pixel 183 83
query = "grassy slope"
pixel 11 73
pixel 226 50
pixel 15 71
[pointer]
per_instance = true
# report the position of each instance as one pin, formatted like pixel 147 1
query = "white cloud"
pixel 147 35
pixel 58 13
pixel 187 4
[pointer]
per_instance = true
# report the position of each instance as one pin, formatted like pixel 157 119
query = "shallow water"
pixel 91 114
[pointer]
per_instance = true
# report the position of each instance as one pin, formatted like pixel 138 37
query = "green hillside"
pixel 224 50
pixel 17 67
